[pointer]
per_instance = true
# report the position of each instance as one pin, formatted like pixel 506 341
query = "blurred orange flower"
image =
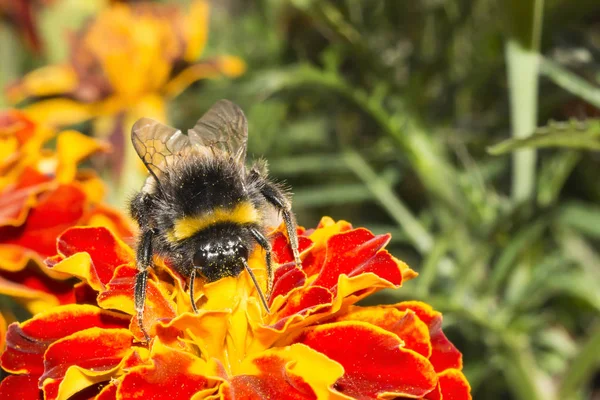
pixel 125 65
pixel 314 344
pixel 41 194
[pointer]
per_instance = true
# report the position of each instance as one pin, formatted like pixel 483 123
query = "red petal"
pixel 287 277
pixel 94 349
pixel 453 386
pixel 172 373
pixel 354 253
pixel 27 342
pixel 17 200
pixel 109 392
pixel 272 382
pixel 23 387
pixel 291 372
pixel 303 303
pixel 374 362
pixel 405 324
pixel 54 213
pixel 282 251
pixel 107 252
pixel 119 296
pixel 29 282
pixel 444 354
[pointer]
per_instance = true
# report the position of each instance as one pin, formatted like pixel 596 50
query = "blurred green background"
pixel 467 128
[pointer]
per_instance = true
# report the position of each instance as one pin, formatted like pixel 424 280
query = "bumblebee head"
pixel 221 257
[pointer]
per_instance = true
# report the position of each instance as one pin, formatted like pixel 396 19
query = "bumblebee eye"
pixel 201 258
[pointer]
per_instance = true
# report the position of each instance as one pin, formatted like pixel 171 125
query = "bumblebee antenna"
pixel 260 292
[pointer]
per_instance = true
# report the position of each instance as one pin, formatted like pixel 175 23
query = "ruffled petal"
pixel 405 324
pixel 444 354
pixel 375 363
pixel 83 359
pixel 171 371
pixel 452 385
pixel 26 343
pixel 91 254
pixel 293 372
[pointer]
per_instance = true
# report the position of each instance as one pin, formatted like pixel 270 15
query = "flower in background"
pixel 42 193
pixel 21 14
pixel 314 344
pixel 124 65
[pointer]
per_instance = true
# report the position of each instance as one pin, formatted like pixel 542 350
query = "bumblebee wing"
pixel 223 129
pixel 158 145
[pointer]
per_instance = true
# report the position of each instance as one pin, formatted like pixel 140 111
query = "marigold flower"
pixel 124 65
pixel 41 194
pixel 315 343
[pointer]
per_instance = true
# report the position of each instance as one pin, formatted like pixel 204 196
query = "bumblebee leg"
pixel 264 243
pixel 192 299
pixel 144 261
pixel 275 196
pixel 260 292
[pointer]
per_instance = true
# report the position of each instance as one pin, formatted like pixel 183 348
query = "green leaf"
pixel 570 82
pixel 572 134
pixel 581 216
pixel 583 365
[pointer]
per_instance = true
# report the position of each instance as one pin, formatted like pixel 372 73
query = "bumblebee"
pixel 200 207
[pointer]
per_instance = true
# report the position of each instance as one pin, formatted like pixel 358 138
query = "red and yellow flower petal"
pixel 108 392
pixel 375 363
pixel 405 324
pixel 55 212
pixel 357 252
pixel 452 385
pixel 26 343
pixel 172 373
pixel 91 254
pixel 83 359
pixel 208 330
pixel 287 277
pixel 292 372
pixel 444 355
pixel 18 198
pixel 35 289
pixel 159 305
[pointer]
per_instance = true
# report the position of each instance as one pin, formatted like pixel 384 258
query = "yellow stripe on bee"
pixel 187 227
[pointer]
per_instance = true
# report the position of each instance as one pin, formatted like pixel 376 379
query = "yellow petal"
pixel 71 148
pixel 229 66
pixel 45 81
pixel 195 29
pixel 135 50
pixel 57 112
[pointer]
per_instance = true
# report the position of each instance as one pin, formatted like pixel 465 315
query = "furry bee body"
pixel 203 203
pixel 200 208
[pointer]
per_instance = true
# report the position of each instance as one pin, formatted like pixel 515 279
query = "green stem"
pixel 522 61
pixel 418 235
